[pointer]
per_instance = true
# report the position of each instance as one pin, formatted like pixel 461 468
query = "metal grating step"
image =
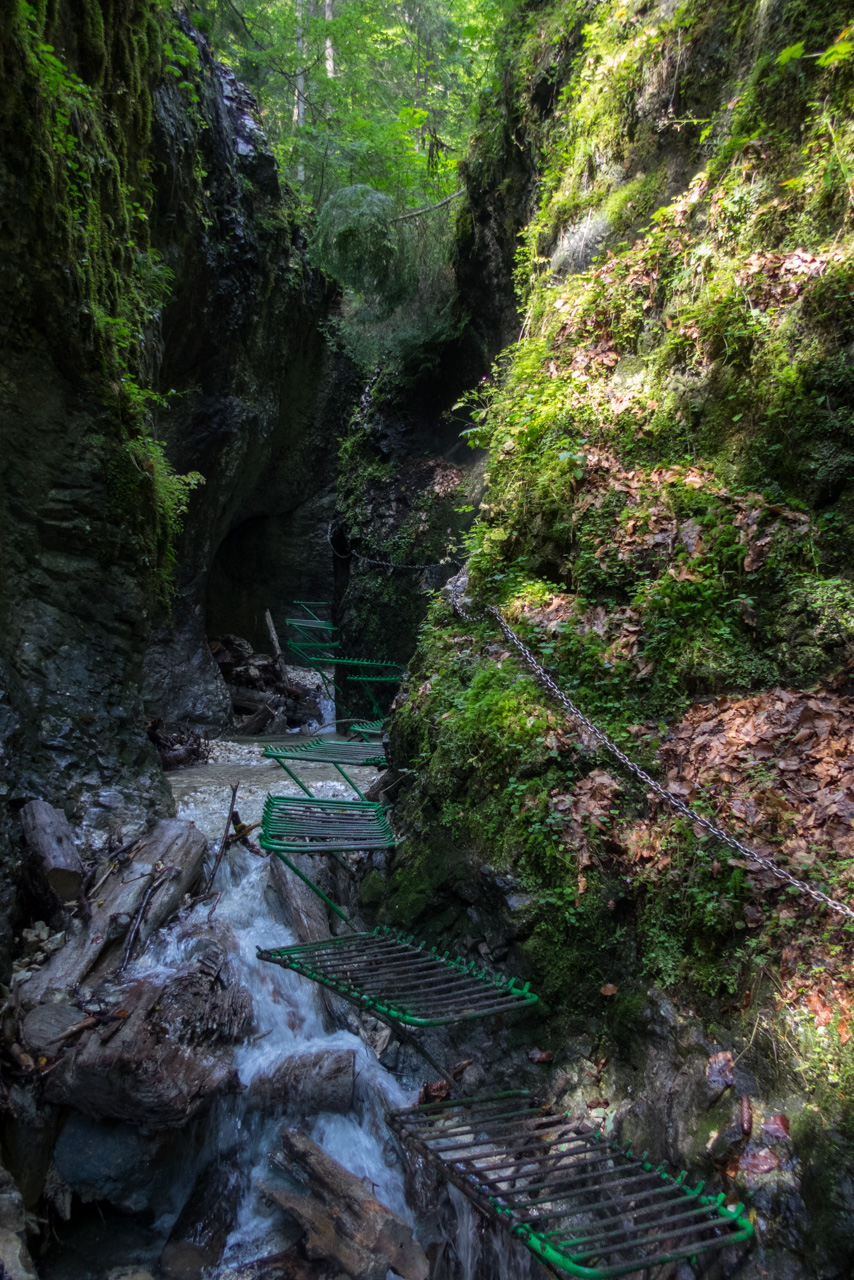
pixel 326 653
pixel 318 751
pixel 401 981
pixel 303 824
pixel 574 1199
pixel 368 729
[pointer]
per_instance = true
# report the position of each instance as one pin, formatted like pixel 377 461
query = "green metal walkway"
pixel 321 751
pixel 305 824
pixel 315 646
pixel 402 982
pixel 576 1200
pixel 581 1204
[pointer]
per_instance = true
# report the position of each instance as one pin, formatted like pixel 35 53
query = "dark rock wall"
pixel 170 173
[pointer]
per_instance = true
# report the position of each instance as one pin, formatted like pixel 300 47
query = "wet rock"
pixel 15 1260
pixel 161 1055
pixel 309 1083
pixel 101 1160
pixel 44 1026
pixel 201 1230
pixel 343 1223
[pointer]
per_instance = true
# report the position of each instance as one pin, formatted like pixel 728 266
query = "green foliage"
pixel 369 107
pixel 355 242
pixel 671 466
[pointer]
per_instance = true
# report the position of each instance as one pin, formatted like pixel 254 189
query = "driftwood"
pixel 173 852
pixel 224 841
pixel 343 1221
pixel 198 1238
pixel 278 656
pixel 287 1265
pixel 308 1083
pixel 52 856
pixel 48 1027
pixel 158 1060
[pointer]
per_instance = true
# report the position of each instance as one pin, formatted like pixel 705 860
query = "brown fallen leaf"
pixel 753 1163
pixel 844 1033
pixel 541 1055
pixel 776 1127
pixel 609 989
pixel 434 1091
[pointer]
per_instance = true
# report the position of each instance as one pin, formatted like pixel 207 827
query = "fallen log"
pixel 198 1238
pixel 308 1083
pixel 52 856
pixel 278 656
pixel 166 1052
pixel 343 1221
pixel 173 852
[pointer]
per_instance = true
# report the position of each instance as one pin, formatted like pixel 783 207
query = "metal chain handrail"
pixel 679 805
pixel 387 564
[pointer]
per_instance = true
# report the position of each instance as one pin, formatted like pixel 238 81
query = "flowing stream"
pixel 288 1023
pixel 288 1013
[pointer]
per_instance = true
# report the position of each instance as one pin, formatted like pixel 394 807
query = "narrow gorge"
pixel 426 640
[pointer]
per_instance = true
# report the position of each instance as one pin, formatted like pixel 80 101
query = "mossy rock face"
pixel 667 525
pixel 128 219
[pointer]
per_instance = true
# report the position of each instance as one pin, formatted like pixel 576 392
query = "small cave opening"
pixel 267 562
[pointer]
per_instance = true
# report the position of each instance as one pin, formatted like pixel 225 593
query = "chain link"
pixel 663 794
pixel 387 564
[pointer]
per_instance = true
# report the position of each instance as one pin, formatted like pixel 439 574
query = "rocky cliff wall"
pixel 158 319
pixel 667 524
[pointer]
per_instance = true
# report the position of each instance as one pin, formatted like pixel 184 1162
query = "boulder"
pixel 104 1160
pixel 15 1260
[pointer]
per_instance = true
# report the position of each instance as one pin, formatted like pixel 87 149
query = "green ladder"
pixel 579 1202
pixel 316 647
pixel 321 751
pixel 400 981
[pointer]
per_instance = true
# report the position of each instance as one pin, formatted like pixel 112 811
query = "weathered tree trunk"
pixel 309 1083
pixel 178 848
pixel 342 1220
pixel 199 1235
pixel 330 52
pixel 51 853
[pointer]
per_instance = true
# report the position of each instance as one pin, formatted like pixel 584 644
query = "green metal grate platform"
pixel 368 730
pixel 305 824
pixel 401 981
pixel 577 1201
pixel 320 751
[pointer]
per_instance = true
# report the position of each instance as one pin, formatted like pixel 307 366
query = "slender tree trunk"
pixel 330 52
pixel 299 101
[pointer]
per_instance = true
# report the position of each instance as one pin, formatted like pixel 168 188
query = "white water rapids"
pixel 287 1010
pixel 288 1023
